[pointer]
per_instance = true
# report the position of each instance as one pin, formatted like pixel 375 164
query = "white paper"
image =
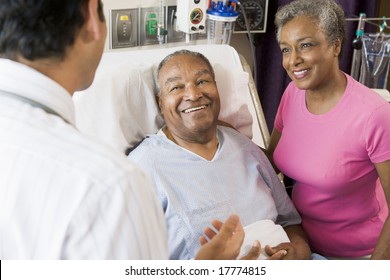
pixel 265 231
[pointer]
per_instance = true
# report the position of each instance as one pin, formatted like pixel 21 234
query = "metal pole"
pixel 357 48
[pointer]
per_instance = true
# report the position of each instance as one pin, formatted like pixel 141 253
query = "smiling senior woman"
pixel 331 136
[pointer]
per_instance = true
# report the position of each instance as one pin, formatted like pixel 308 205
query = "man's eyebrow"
pixel 172 79
pixel 177 78
pixel 203 71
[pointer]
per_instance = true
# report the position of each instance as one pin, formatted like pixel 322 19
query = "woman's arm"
pixel 275 137
pixel 297 249
pixel 382 248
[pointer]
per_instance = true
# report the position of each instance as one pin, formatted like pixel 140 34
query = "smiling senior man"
pixel 204 171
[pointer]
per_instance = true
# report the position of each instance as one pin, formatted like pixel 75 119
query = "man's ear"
pixel 93 23
pixel 158 100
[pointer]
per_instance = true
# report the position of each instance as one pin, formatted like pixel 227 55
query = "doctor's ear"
pixel 94 19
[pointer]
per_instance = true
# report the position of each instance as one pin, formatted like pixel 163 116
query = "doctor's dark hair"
pixel 327 13
pixel 182 52
pixel 35 29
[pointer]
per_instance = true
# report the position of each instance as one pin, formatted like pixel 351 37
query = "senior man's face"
pixel 189 99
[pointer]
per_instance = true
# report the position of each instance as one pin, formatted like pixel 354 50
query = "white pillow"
pixel 120 107
pixel 232 87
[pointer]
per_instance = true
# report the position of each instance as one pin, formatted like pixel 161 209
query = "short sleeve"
pixel 377 134
pixel 279 123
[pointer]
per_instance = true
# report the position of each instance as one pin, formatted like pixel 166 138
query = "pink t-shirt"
pixel 331 156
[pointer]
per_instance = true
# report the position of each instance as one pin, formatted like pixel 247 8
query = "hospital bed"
pixel 120 108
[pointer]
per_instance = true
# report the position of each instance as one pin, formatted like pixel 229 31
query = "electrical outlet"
pixel 123 28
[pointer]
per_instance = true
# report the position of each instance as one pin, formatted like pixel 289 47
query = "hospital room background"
pixel 142 32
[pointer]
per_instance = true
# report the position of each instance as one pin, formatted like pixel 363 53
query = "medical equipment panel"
pixel 149 24
pixel 123 28
pixel 191 16
pixel 173 34
pixel 256 12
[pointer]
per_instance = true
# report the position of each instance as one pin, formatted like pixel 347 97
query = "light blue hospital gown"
pixel 194 191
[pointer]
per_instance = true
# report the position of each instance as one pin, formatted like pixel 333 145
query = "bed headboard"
pixel 120 106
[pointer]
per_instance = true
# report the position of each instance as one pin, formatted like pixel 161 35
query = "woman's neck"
pixel 322 100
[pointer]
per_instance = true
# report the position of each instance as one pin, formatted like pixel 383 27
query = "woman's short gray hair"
pixel 328 13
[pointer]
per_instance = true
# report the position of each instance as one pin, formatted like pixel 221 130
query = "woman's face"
pixel 309 59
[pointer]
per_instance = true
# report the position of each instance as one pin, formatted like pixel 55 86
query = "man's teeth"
pixel 194 109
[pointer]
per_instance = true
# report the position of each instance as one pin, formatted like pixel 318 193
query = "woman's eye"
pixel 285 50
pixel 306 45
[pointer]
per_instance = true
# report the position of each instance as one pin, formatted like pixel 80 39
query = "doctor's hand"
pixel 226 243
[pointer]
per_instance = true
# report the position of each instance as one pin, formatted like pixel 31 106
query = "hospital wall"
pixel 239 41
pixel 130 4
